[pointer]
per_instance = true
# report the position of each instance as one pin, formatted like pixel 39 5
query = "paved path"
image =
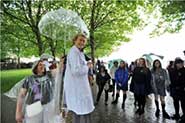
pixel 114 113
pixel 7 109
pixel 103 114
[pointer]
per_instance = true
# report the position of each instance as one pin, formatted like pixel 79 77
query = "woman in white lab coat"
pixel 77 90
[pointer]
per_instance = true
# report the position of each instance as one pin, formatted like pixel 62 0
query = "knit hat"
pixel 178 60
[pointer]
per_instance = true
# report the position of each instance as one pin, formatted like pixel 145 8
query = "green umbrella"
pixel 111 62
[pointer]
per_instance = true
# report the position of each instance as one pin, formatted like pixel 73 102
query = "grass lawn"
pixel 10 77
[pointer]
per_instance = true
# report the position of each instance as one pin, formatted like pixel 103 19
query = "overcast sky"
pixel 168 45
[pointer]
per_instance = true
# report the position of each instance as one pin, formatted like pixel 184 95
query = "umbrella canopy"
pixel 111 62
pixel 149 56
pixel 150 59
pixel 46 56
pixel 62 24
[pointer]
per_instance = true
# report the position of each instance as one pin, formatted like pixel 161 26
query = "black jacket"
pixel 177 86
pixel 141 76
pixel 102 79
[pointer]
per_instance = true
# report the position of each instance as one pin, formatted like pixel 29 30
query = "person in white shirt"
pixel 112 74
pixel 77 89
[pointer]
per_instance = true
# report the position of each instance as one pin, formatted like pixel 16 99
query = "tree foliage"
pixel 171 17
pixel 109 22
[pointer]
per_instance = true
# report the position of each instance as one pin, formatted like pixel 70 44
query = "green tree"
pixel 27 12
pixel 171 16
pixel 14 41
pixel 108 22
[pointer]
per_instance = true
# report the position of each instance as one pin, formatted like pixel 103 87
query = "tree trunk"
pixel 18 62
pixel 53 53
pixel 39 41
pixel 18 55
pixel 92 28
pixel 92 46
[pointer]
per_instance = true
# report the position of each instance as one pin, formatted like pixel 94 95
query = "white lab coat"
pixel 76 84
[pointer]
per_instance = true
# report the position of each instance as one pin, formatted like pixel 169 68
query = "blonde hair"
pixel 76 37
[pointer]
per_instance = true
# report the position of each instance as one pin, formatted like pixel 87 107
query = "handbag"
pixel 111 88
pixel 106 87
pixel 34 109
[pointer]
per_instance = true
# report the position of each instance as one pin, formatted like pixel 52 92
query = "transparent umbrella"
pixel 62 24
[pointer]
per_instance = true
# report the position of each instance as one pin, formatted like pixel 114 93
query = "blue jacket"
pixel 121 76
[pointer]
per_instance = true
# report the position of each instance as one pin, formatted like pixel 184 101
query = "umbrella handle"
pixel 65 37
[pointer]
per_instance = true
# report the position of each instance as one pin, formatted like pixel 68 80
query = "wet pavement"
pixel 115 114
pixel 104 114
pixel 7 109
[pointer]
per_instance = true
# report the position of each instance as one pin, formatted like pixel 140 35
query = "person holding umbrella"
pixel 63 25
pixel 77 90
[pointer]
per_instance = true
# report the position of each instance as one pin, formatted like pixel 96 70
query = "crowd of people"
pixel 145 81
pixel 69 84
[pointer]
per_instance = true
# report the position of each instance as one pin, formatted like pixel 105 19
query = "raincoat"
pixel 160 81
pixel 77 89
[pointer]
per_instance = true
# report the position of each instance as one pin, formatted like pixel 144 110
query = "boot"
pixel 182 119
pixel 165 114
pixel 113 92
pixel 176 117
pixel 142 110
pixel 124 98
pixel 138 110
pixel 139 106
pixel 157 109
pixel 135 104
pixel 143 101
pixel 116 100
pixel 135 101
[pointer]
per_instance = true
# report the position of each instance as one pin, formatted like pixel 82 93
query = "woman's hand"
pixel 19 117
pixel 64 113
pixel 119 84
